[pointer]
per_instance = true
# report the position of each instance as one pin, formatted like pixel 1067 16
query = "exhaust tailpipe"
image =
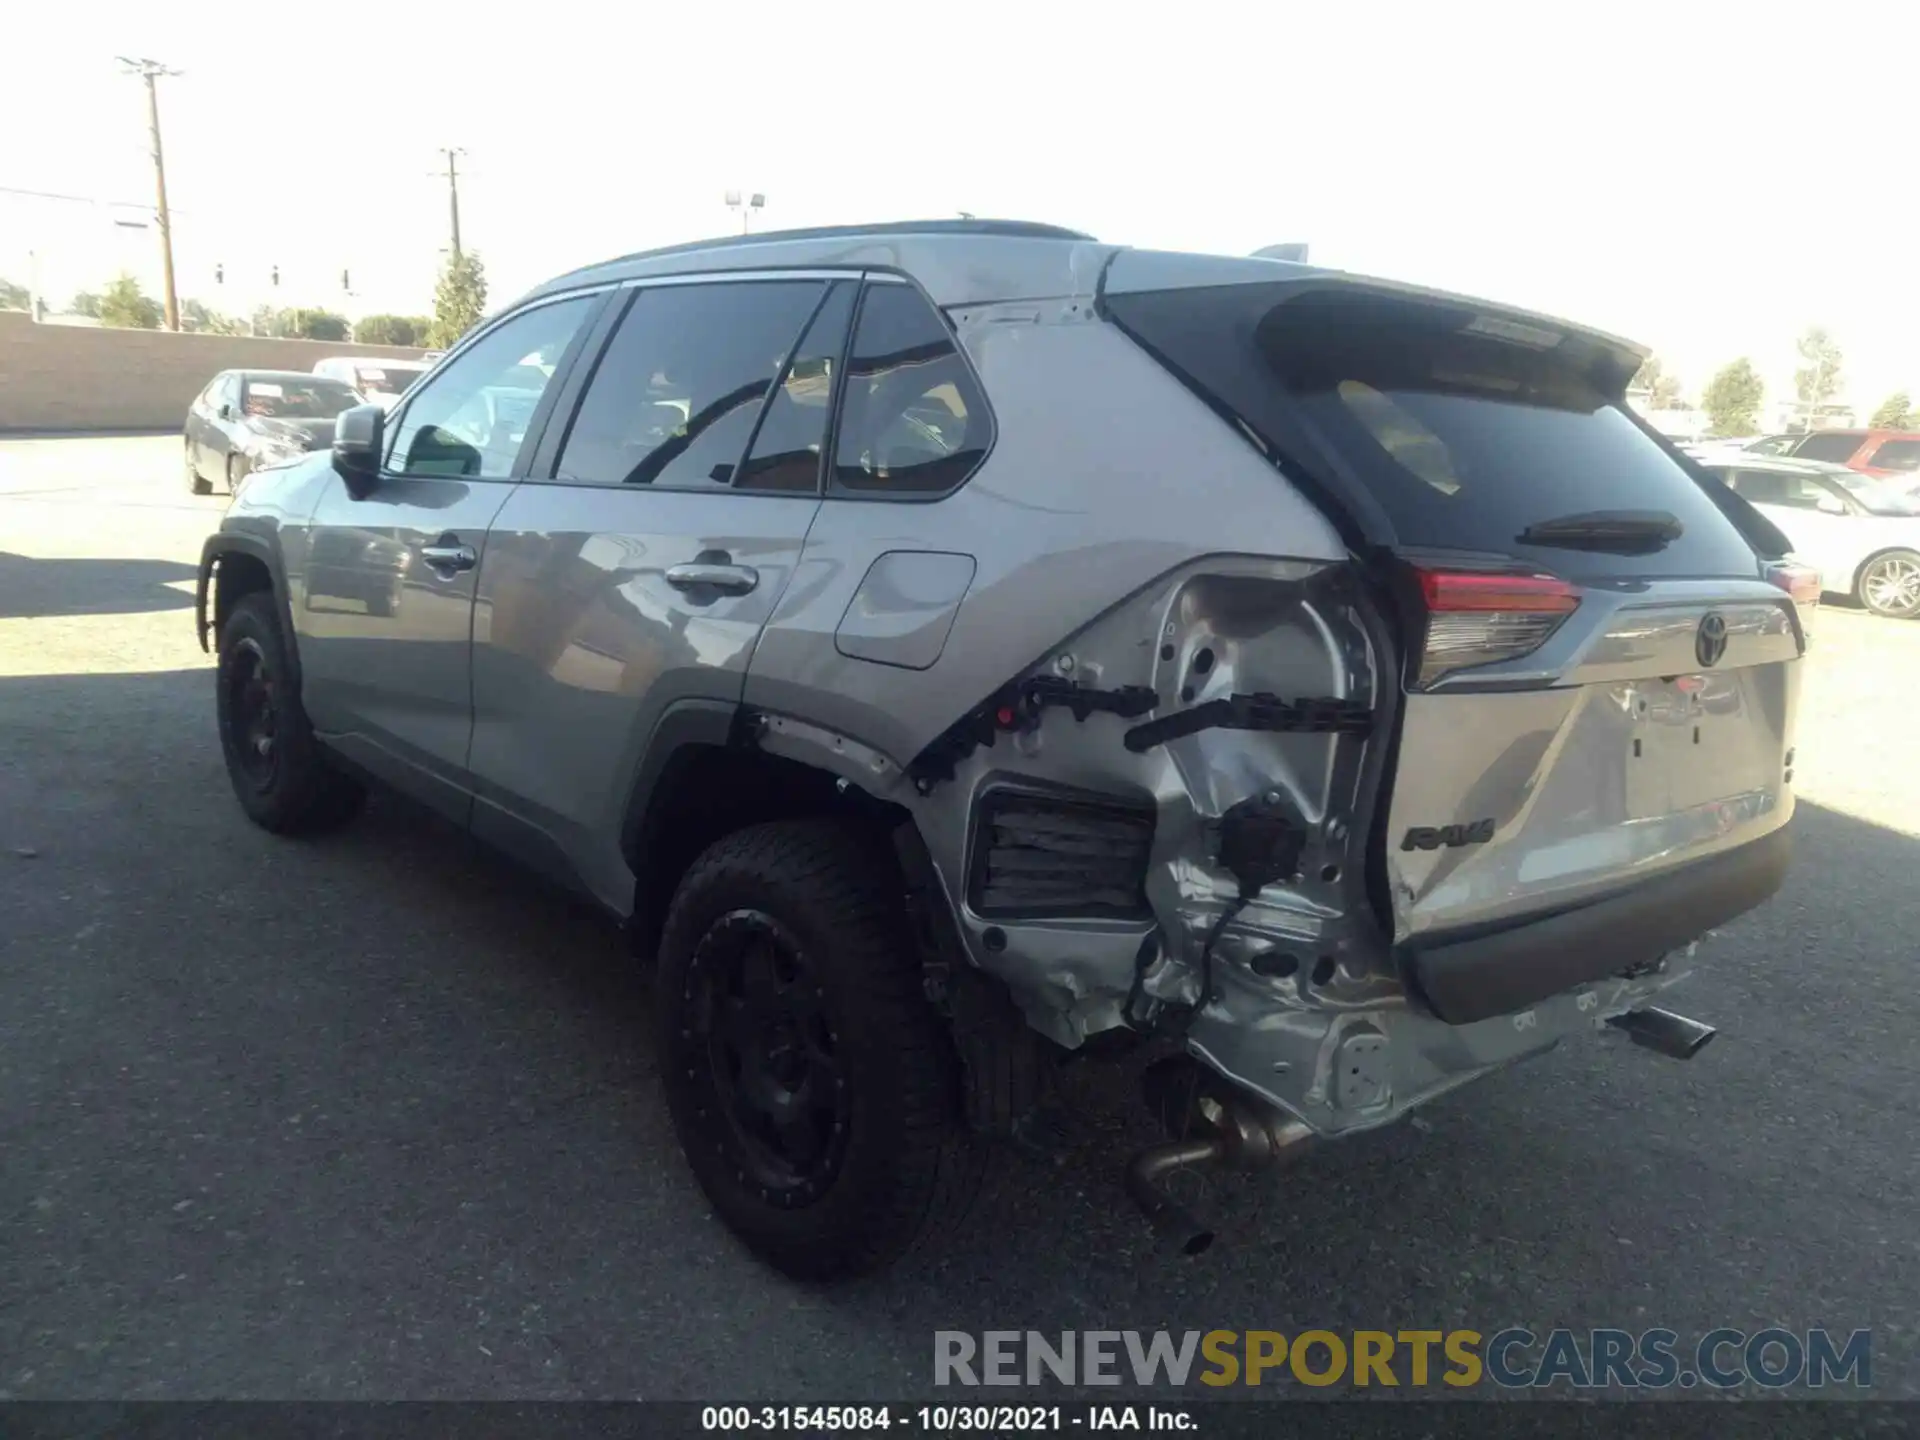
pixel 1219 1126
pixel 1662 1030
pixel 1146 1187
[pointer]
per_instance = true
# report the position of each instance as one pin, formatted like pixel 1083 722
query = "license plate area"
pixel 1692 740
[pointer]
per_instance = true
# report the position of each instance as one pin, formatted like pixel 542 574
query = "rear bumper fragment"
pixel 1475 978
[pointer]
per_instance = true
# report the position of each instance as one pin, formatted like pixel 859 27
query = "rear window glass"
pixel 1468 431
pixel 1838 448
pixel 1896 455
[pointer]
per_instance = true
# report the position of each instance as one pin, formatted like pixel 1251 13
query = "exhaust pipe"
pixel 1146 1187
pixel 1662 1030
pixel 1218 1126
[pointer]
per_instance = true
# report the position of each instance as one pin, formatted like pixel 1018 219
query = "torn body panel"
pixel 1307 1005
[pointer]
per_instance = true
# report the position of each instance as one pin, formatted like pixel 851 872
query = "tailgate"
pixel 1633 758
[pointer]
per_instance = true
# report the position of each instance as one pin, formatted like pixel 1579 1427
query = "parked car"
pixel 246 419
pixel 951 646
pixel 382 382
pixel 1872 452
pixel 1862 534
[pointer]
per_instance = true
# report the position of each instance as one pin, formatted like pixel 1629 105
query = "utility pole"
pixel 150 71
pixel 453 192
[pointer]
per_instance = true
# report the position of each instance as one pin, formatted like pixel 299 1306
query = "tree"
pixel 1817 381
pixel 304 324
pixel 407 330
pixel 1896 412
pixel 125 304
pixel 459 300
pixel 86 303
pixel 196 316
pixel 1732 399
pixel 1663 390
pixel 14 296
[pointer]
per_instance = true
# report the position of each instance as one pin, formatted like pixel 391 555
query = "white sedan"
pixel 1862 534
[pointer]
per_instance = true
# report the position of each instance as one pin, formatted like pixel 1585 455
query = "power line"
pixel 150 71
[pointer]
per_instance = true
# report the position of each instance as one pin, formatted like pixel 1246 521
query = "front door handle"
pixel 447 553
pixel 727 579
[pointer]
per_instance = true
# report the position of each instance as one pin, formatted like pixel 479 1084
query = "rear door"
pixel 385 613
pixel 636 568
pixel 1598 681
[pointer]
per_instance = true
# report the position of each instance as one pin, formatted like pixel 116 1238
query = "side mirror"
pixel 1832 505
pixel 358 439
pixel 226 410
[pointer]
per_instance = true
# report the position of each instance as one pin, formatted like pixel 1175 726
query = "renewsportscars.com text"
pixel 1511 1358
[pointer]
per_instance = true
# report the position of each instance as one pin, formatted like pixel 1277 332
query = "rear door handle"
pixel 727 579
pixel 447 553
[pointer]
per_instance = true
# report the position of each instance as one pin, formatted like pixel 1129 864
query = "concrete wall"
pixel 76 377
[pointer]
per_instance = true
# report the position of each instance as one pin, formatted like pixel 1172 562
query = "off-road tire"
pixel 909 1170
pixel 302 794
pixel 196 485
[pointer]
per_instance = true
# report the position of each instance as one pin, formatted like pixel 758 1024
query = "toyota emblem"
pixel 1710 642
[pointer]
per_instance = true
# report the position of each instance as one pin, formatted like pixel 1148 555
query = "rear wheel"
pixel 814 1090
pixel 195 485
pixel 279 773
pixel 1890 584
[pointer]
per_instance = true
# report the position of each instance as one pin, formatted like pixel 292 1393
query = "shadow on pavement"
pixel 33 588
pixel 374 1116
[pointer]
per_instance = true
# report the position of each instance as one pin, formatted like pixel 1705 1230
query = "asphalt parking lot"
pixel 375 1117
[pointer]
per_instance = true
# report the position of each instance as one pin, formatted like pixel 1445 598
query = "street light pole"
pixel 150 71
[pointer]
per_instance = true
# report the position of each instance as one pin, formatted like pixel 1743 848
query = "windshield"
pixel 1880 497
pixel 387 379
pixel 293 399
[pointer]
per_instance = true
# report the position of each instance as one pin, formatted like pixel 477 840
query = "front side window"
pixel 673 401
pixel 913 422
pixel 472 419
pixel 1831 445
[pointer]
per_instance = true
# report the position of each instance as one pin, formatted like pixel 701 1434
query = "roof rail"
pixel 1005 229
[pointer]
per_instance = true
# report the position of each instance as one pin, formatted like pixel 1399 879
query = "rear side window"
pixel 786 449
pixel 1896 455
pixel 675 396
pixel 1772 487
pixel 913 424
pixel 1838 448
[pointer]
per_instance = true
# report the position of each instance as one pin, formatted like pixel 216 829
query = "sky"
pixel 1698 177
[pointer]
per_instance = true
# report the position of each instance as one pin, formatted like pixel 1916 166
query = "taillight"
pixel 1477 618
pixel 1802 582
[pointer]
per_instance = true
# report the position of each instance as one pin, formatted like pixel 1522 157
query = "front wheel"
pixel 195 485
pixel 1890 585
pixel 279 773
pixel 813 1088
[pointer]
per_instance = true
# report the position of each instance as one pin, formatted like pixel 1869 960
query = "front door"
pixel 636 567
pixel 385 614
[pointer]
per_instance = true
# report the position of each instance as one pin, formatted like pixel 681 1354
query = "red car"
pixel 1872 452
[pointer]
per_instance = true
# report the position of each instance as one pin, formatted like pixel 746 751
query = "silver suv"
pixel 955 647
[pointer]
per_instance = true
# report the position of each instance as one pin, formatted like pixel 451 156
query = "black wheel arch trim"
pixel 231 542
